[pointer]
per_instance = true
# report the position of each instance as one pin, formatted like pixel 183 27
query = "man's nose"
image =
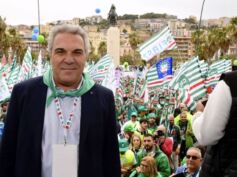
pixel 69 58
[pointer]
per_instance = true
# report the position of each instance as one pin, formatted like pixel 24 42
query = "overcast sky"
pixel 25 11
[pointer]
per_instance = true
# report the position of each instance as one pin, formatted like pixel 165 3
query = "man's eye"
pixel 78 52
pixel 59 51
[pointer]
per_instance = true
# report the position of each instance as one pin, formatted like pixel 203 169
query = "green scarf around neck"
pixel 87 84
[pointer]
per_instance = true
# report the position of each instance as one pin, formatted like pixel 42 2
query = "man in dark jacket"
pixel 61 124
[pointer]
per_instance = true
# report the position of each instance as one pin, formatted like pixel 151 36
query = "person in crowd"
pixel 128 132
pixel 133 120
pixel 215 127
pixel 127 158
pixel 4 107
pixel 150 149
pixel 165 143
pixel 147 168
pixel 64 113
pixel 136 145
pixel 186 134
pixel 143 128
pixel 122 119
pixel 173 132
pixel 152 127
pixel 193 164
pixel 142 111
pixel 183 108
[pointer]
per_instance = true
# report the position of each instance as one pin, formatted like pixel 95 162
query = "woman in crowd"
pixel 147 168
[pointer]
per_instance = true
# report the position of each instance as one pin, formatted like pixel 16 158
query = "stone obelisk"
pixel 113 37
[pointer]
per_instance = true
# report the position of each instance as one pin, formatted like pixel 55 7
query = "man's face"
pixel 148 143
pixel 144 125
pixel 183 117
pixel 194 160
pixel 171 120
pixel 134 118
pixel 152 121
pixel 68 59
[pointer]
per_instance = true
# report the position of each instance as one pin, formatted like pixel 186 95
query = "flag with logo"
pixel 101 68
pixel 160 42
pixel 160 73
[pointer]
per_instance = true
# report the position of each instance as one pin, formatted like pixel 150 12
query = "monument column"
pixel 113 44
pixel 113 37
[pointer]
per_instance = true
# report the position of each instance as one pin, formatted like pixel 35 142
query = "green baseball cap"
pixel 141 108
pixel 134 114
pixel 151 115
pixel 123 145
pixel 129 128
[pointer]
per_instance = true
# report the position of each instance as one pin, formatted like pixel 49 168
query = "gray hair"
pixel 197 150
pixel 72 29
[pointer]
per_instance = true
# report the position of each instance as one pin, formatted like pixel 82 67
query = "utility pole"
pixel 199 26
pixel 38 15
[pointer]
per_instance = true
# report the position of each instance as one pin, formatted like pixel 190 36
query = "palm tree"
pixel 3 41
pixel 16 43
pixel 10 39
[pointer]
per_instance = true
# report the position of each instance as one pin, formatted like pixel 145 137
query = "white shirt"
pixel 53 132
pixel 209 126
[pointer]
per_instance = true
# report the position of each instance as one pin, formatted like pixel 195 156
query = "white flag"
pixel 4 91
pixel 157 44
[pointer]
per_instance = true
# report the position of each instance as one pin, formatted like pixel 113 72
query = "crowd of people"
pixel 171 145
pixel 65 113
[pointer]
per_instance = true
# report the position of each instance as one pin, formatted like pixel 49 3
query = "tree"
pixel 102 49
pixel 134 40
pixel 209 41
pixel 11 39
pixel 3 38
pixel 92 55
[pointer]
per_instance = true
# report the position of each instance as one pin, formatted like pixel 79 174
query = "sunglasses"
pixel 193 157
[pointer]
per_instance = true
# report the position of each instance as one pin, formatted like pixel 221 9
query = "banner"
pixel 157 44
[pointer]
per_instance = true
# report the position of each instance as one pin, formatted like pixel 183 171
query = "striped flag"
pixel 228 65
pixel 26 67
pixel 204 68
pixel 4 91
pixel 39 66
pixel 190 78
pixel 157 44
pixel 100 69
pixel 160 73
pixel 14 74
pixel 186 98
pixel 214 72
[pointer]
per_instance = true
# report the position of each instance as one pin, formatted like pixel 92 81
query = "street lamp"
pixel 199 26
pixel 38 15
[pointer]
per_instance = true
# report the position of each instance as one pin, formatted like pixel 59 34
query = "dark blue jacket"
pixel 21 149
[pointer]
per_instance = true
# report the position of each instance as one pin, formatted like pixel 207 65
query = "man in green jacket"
pixel 150 149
